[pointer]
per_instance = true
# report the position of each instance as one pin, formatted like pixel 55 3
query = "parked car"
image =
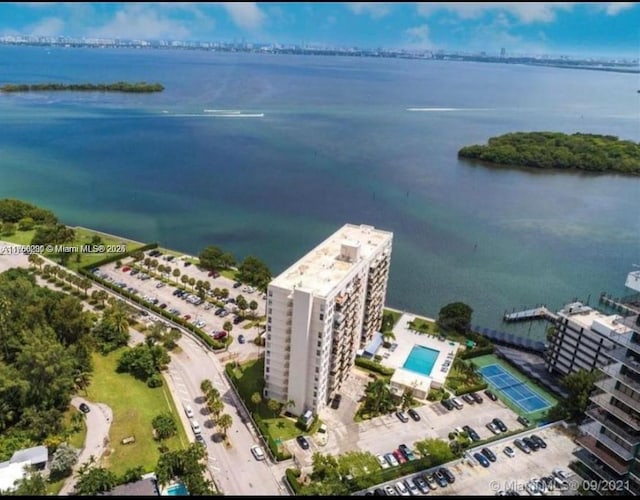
pixel 457 403
pixel 406 451
pixel 532 488
pixel 520 444
pixel 533 445
pixel 391 491
pixel 448 475
pixel 402 416
pixel 500 424
pixel 219 335
pixel 413 414
pixel 84 408
pixel 491 395
pixel 482 460
pixel 478 399
pixel 493 428
pixel 188 411
pixel 431 481
pixel 411 487
pixel 468 398
pixel 440 479
pixel 241 339
pixel 562 474
pixel 258 452
pixel 508 451
pixel 447 404
pixel 393 462
pixel 489 454
pixel 538 440
pixel 383 462
pixel 335 402
pixel 302 441
pixel 237 320
pixel 471 432
pixel 399 457
pixel 524 421
pixel 421 484
pixel 237 284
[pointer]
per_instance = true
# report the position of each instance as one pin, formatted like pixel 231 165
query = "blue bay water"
pixel 336 144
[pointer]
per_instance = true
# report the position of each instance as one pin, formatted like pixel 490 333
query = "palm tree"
pixel 206 386
pixel 212 394
pixel 86 284
pixel 256 398
pixel 407 399
pixel 388 336
pixel 184 279
pixel 119 318
pixel 216 408
pixel 192 281
pixel 176 274
pixel 225 422
pixel 147 263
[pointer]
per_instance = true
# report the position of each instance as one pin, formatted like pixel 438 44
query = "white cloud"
pixel 49 26
pixel 614 8
pixel 246 15
pixel 375 9
pixel 418 37
pixel 142 21
pixel 526 12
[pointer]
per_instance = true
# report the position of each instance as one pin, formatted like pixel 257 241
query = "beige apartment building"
pixel 320 312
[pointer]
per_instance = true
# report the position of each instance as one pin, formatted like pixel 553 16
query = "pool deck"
pixel 406 339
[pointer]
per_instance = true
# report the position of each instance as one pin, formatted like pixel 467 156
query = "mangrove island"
pixel 555 150
pixel 137 87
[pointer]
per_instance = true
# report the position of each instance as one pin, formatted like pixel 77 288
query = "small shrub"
pixel 154 380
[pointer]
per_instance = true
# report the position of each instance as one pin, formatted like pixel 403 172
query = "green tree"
pixel 176 274
pixel 256 398
pixel 189 465
pixel 215 407
pixel 132 475
pixel 253 306
pixel 408 401
pixel 206 385
pixel 579 386
pixel 273 405
pixel 456 317
pixel 228 326
pixel 32 485
pixel 62 462
pixel 254 272
pixel 95 480
pixel 225 422
pixel 165 426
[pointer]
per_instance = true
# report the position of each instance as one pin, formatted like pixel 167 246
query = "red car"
pixel 187 317
pixel 399 456
pixel 220 335
pixel 126 269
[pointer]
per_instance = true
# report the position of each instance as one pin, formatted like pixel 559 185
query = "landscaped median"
pixel 273 424
pixel 356 471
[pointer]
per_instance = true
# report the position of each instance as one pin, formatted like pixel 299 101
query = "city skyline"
pixel 570 29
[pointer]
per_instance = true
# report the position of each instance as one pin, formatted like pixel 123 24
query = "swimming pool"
pixel 178 489
pixel 421 360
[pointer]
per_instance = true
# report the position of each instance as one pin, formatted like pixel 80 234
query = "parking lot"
pixel 511 473
pixel 203 313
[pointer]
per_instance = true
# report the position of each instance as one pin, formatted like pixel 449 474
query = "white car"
pixel 532 488
pixel 258 452
pixel 508 451
pixel 188 411
pixel 382 461
pixel 402 489
pixel 493 428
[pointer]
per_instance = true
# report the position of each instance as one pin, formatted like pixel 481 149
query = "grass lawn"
pixel 20 237
pixel 394 314
pixel 359 463
pixel 134 406
pixel 424 326
pixel 229 273
pixel 84 236
pixel 75 439
pixel 251 381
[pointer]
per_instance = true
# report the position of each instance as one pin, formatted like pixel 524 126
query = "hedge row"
pixel 475 352
pixel 373 366
pixel 464 389
pixel 120 256
pixel 202 335
pixel 292 476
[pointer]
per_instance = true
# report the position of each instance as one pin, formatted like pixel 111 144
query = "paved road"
pixel 98 422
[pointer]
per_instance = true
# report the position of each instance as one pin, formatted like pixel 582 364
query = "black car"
pixel 335 402
pixel 448 475
pixel 537 439
pixel 413 414
pixel 200 440
pixel 491 395
pixel 489 454
pixel 482 460
pixel 477 398
pixel 500 424
pixel 468 398
pixel 447 404
pixel 84 408
pixel 237 284
pixel 471 432
pixel 379 492
pixel 302 441
pixel 187 264
pixel 522 446
pixel 237 320
pixel 524 421
pixel 533 445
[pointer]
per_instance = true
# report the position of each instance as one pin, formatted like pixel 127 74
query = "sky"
pixel 609 29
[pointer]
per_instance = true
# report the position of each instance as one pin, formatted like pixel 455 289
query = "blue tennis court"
pixel 515 389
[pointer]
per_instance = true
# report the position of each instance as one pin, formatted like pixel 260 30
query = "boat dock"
pixel 619 305
pixel 529 315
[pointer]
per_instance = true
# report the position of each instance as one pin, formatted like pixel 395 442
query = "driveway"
pixel 98 424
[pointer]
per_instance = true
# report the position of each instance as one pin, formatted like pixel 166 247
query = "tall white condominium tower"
pixel 320 311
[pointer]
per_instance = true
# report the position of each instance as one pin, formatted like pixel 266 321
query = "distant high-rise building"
pixel 503 52
pixel 320 311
